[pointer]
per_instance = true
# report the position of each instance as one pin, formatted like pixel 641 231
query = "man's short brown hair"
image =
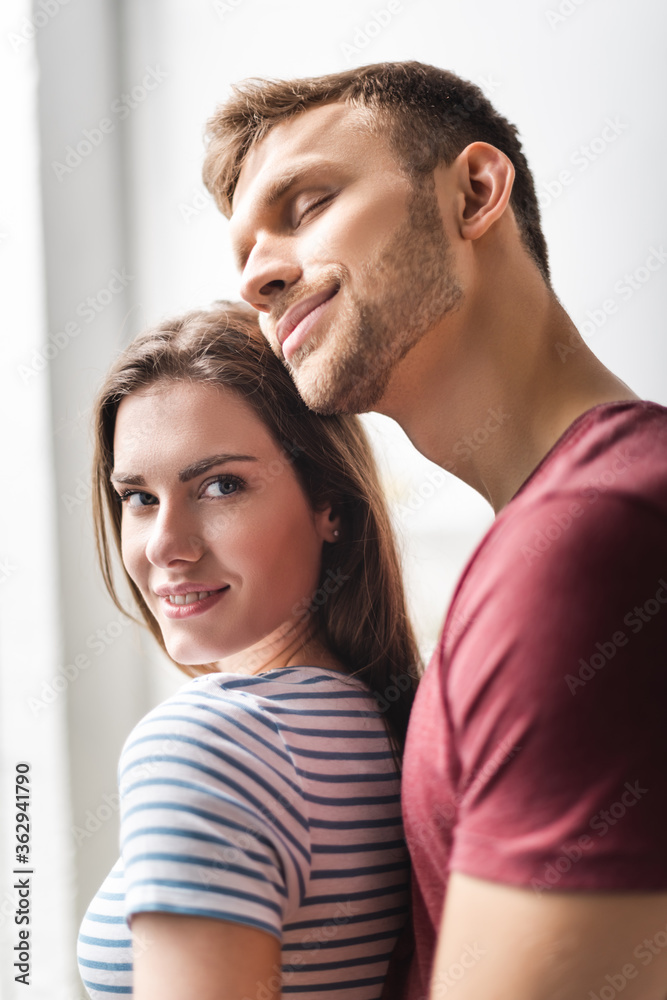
pixel 430 115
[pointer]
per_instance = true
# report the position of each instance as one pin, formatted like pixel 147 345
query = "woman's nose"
pixel 174 538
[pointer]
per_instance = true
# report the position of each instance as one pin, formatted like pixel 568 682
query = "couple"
pixel 387 232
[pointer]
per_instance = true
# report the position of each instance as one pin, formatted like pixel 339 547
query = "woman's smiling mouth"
pixel 182 601
pixel 189 598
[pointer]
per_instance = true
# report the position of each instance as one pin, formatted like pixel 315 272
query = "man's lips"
pixel 300 310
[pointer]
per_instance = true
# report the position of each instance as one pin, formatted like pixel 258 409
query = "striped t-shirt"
pixel 271 801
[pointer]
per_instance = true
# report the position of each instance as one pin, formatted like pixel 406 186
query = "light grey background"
pixel 562 70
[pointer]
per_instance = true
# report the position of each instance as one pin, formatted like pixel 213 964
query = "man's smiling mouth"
pixel 296 314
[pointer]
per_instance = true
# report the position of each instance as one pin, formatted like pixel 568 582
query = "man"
pixel 387 229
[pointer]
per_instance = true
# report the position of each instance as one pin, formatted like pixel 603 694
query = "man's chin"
pixel 329 393
pixel 311 392
pixel 309 376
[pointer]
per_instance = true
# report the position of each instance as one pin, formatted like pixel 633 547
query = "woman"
pixel 261 841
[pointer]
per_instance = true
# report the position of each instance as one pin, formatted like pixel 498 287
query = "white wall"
pixel 136 203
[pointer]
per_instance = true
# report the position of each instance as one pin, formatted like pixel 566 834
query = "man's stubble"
pixel 409 286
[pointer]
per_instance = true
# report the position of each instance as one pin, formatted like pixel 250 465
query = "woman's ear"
pixel 328 523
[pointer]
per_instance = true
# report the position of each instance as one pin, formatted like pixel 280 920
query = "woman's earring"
pixel 336 533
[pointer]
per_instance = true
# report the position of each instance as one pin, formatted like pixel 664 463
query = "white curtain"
pixel 32 688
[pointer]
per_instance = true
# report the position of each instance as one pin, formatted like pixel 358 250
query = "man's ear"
pixel 484 176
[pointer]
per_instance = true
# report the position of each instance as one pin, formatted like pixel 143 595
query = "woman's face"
pixel 217 532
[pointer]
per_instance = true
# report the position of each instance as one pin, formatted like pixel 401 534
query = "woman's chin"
pixel 245 652
pixel 187 655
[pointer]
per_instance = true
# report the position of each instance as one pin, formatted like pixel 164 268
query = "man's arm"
pixel 499 942
pixel 182 957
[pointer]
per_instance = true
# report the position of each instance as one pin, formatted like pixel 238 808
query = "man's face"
pixel 344 255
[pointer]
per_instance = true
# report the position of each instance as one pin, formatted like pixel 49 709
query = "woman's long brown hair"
pixel 360 617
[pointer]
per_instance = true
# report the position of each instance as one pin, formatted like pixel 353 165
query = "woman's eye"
pixel 223 487
pixel 134 498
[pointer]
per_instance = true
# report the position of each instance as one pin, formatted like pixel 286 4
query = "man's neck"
pixel 489 392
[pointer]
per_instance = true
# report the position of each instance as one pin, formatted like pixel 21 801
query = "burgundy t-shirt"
pixel 537 747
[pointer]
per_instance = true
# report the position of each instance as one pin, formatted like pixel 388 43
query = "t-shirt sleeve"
pixel 212 816
pixel 559 683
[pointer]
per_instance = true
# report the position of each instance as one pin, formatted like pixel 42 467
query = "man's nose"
pixel 269 272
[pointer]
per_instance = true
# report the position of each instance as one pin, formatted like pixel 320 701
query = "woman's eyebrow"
pixel 190 471
pixel 127 478
pixel 204 464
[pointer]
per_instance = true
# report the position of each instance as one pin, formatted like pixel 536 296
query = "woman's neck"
pixel 288 646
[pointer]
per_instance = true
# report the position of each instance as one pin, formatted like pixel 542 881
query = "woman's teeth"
pixel 190 598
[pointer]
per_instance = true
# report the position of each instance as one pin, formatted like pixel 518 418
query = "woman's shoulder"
pixel 215 713
pixel 299 680
pixel 238 715
pixel 266 695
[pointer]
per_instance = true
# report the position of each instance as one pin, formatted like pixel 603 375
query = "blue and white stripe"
pixel 271 801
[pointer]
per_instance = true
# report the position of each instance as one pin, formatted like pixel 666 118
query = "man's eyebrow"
pixel 190 471
pixel 282 184
pixel 275 191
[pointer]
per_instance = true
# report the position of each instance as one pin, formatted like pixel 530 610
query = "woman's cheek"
pixel 133 552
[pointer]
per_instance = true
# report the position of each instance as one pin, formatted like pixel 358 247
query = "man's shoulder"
pixel 612 448
pixel 583 541
pixel 607 473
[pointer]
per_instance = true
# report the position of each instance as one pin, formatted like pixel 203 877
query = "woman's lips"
pixel 190 596
pixel 194 607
